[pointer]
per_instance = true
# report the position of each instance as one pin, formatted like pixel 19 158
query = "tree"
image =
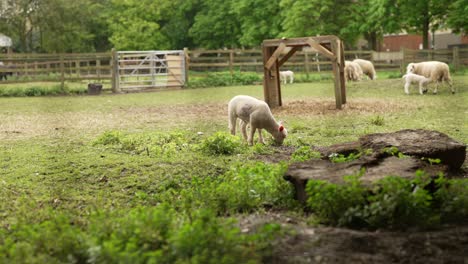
pixel 65 26
pixel 259 20
pixel 17 22
pixel 134 25
pixel 423 16
pixel 457 16
pixel 216 25
pixel 372 19
pixel 318 17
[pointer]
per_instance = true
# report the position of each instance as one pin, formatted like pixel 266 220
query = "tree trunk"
pixel 426 34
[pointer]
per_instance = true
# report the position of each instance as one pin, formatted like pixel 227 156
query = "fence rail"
pixel 20 68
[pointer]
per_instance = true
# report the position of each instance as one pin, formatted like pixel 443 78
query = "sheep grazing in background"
pixel 257 114
pixel 415 78
pixel 435 70
pixel 284 75
pixel 352 71
pixel 367 68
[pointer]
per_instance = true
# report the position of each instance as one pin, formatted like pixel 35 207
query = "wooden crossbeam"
pixel 275 56
pixel 315 45
pixel 287 56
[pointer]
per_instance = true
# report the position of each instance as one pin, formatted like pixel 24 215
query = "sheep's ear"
pixel 281 128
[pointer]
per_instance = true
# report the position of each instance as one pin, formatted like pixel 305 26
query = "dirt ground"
pixel 338 245
pixel 47 124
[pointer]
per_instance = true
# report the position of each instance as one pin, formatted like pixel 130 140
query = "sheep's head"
pixel 410 68
pixel 280 134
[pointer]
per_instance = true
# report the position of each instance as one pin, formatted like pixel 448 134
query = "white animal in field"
pixel 415 78
pixel 352 71
pixel 437 71
pixel 284 75
pixel 367 68
pixel 257 115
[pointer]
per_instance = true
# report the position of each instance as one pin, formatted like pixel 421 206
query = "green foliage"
pixel 216 25
pixel 212 24
pixel 156 144
pixel 392 202
pixel 258 20
pixel 330 202
pixel 396 203
pixel 452 197
pixel 221 143
pixel 248 187
pixel 20 91
pixel 377 120
pixel 244 188
pixel 339 158
pixel 304 153
pixel 225 79
pixel 141 235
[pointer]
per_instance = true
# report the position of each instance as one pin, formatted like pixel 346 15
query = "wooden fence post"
pixel 187 65
pixel 335 49
pixel 306 64
pixel 403 60
pixel 456 58
pixel 231 62
pixel 98 68
pixel 115 72
pixel 62 73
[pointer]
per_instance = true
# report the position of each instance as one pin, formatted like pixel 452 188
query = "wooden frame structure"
pixel 329 46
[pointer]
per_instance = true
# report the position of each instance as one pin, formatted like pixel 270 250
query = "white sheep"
pixel 415 78
pixel 257 114
pixel 367 68
pixel 435 70
pixel 353 71
pixel 284 76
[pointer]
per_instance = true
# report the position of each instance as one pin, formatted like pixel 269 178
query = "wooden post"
pixel 98 68
pixel 115 72
pixel 341 60
pixel 152 70
pixel 187 65
pixel 403 60
pixel 336 73
pixel 62 73
pixel 306 64
pixel 456 58
pixel 231 63
pixel 271 83
pixel 77 68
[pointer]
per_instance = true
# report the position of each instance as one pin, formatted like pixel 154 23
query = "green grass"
pixel 81 177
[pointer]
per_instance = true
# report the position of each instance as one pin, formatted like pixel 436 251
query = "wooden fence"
pixel 98 67
pixel 57 67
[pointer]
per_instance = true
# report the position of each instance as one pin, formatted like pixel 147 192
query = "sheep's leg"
pixel 436 87
pixel 232 123
pixel 260 137
pixel 407 84
pixel 421 88
pixel 451 86
pixel 292 78
pixel 244 129
pixel 251 135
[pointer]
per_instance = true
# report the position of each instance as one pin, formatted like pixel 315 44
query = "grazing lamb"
pixel 284 76
pixel 353 71
pixel 257 114
pixel 367 68
pixel 435 70
pixel 415 78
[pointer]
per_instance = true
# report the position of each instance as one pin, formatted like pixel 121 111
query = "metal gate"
pixel 138 70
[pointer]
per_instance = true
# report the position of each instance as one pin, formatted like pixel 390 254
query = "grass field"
pixel 134 178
